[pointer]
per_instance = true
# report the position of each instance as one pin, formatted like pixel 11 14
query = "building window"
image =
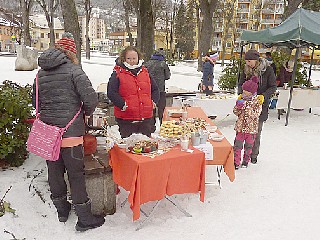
pixel 42 35
pixel 57 35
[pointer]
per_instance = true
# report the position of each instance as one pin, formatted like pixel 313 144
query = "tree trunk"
pixel 88 8
pixel 207 7
pixel 71 23
pixel 126 6
pixel 25 8
pixel 136 6
pixel 291 8
pixel 146 28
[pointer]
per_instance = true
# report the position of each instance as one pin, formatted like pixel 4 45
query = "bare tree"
pixel 71 24
pixel 88 9
pixel 146 28
pixel 49 7
pixel 228 16
pixel 127 10
pixel 25 8
pixel 207 8
pixel 291 7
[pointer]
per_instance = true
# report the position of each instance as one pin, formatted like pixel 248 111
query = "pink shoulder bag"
pixel 45 140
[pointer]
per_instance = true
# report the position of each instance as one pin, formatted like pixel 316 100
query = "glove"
pixel 124 107
pixel 240 104
pixel 240 96
pixel 260 99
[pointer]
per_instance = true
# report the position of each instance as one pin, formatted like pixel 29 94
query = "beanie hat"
pixel 251 85
pixel 252 55
pixel 214 57
pixel 67 43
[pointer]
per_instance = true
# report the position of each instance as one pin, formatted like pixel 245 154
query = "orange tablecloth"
pixel 149 179
pixel 222 151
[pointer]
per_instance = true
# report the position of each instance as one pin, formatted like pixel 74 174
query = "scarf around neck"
pixel 131 67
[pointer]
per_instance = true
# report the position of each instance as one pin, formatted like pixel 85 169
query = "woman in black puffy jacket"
pixel 63 89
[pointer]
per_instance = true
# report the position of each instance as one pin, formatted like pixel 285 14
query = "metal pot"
pixel 98 118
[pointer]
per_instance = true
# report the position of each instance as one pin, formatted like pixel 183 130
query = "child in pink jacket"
pixel 248 110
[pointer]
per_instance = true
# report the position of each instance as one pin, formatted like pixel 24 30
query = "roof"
pixel 41 21
pixel 298 30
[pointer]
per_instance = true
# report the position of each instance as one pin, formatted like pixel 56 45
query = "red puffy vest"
pixel 136 92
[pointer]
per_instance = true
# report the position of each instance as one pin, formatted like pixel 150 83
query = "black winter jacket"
pixel 158 70
pixel 63 85
pixel 266 87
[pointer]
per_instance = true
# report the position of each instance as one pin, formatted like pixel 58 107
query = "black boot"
pixel 86 220
pixel 63 208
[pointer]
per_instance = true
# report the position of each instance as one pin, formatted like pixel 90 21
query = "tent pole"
pixel 239 67
pixel 311 62
pixel 292 82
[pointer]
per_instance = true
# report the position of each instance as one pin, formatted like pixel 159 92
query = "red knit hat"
pixel 67 43
pixel 251 85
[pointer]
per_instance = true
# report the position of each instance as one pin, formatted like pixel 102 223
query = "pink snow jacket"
pixel 248 116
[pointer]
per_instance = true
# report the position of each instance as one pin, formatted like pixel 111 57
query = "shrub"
pixel 281 57
pixel 15 108
pixel 228 80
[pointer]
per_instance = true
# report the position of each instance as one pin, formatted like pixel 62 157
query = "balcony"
pixel 243 10
pixel 268 11
pixel 243 20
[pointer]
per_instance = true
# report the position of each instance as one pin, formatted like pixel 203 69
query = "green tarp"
pixel 301 29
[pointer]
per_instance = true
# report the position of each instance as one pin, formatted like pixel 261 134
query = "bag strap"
pixel 37 97
pixel 37 106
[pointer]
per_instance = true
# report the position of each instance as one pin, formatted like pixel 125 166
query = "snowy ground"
pixel 276 199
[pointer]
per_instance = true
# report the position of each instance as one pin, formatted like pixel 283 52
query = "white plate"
pixel 216 137
pixel 211 129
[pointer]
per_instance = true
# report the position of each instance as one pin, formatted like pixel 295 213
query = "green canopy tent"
pixel 299 30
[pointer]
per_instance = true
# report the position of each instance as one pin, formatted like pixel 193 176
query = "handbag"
pixel 89 144
pixel 45 140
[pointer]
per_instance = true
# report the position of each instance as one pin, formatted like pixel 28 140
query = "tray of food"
pixel 176 113
pixel 143 147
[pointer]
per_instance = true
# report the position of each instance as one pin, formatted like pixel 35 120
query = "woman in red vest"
pixel 133 93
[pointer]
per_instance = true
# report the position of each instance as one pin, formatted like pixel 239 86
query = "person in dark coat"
pixel 133 93
pixel 271 63
pixel 285 73
pixel 63 87
pixel 207 74
pixel 256 66
pixel 160 72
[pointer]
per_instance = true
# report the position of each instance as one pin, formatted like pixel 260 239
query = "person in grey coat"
pixel 64 88
pixel 256 66
pixel 159 72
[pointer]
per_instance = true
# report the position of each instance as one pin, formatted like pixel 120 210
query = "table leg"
pixel 148 216
pixel 178 206
pixel 219 171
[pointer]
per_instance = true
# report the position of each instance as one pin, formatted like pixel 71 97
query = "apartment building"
pixel 120 40
pixel 249 15
pixel 9 35
pixel 40 32
pixel 97 33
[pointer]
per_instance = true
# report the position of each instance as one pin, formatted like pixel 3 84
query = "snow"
pixel 278 198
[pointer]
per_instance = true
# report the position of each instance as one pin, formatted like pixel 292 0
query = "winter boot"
pixel 236 166
pixel 244 164
pixel 254 160
pixel 86 220
pixel 63 207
